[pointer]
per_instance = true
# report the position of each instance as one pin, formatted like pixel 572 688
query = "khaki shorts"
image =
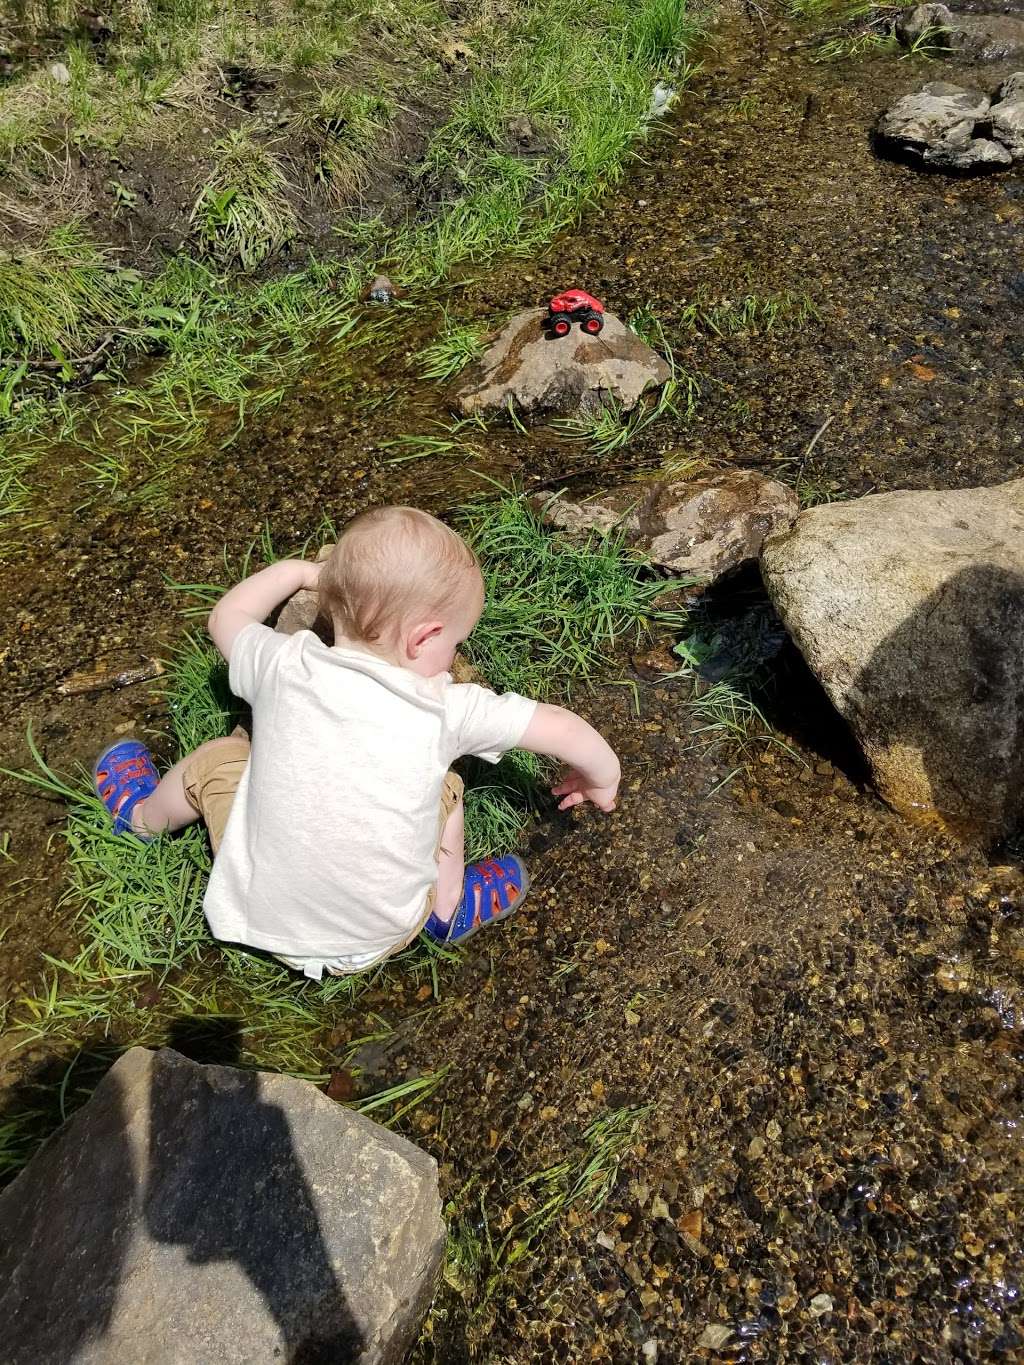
pixel 211 776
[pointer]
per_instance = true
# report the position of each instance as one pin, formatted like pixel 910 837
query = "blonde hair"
pixel 390 562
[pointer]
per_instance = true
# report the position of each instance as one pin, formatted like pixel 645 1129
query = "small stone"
pixel 756 1149
pixel 604 1239
pixel 59 72
pixel 381 290
pixel 715 1336
pixel 649 1350
pixel 821 1304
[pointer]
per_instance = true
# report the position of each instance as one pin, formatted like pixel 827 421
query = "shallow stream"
pixel 823 1005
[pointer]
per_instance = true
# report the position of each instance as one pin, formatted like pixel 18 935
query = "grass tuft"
pixel 57 298
pixel 242 215
pixel 555 608
pixel 346 126
pixel 457 347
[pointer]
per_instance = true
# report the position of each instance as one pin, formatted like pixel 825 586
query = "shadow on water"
pixel 223 1189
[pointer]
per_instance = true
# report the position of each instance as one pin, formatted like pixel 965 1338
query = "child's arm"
pixel 255 598
pixel 594 770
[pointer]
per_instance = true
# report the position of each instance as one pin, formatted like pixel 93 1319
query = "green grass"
pixel 854 46
pixel 458 346
pixel 57 299
pixel 555 608
pixel 479 1250
pixel 751 314
pixel 242 214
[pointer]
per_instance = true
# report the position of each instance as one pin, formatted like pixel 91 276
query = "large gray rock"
pixel 697 527
pixel 541 375
pixel 945 126
pixel 1008 116
pixel 204 1214
pixel 977 37
pixel 909 607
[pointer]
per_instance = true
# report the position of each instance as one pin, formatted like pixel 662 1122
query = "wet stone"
pixel 947 127
pixel 909 607
pixel 544 375
pixel 700 528
pixel 982 37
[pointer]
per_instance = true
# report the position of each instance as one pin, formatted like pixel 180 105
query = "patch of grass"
pixel 480 1250
pixel 346 126
pixel 725 707
pixel 555 608
pixel 753 314
pixel 851 47
pixel 458 346
pixel 610 428
pixel 201 704
pixel 814 490
pixel 529 66
pixel 56 299
pixel 242 215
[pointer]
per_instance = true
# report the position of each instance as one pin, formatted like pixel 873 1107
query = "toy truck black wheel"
pixel 561 326
pixel 592 323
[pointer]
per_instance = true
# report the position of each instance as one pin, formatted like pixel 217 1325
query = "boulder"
pixel 909 608
pixel 943 125
pixel 977 37
pixel 201 1213
pixel 1008 116
pixel 542 375
pixel 700 528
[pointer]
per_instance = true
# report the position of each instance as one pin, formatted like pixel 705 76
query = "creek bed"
pixel 822 1005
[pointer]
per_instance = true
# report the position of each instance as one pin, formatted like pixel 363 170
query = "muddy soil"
pixel 823 1004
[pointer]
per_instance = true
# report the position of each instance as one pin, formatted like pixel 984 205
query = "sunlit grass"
pixel 555 608
pixel 242 214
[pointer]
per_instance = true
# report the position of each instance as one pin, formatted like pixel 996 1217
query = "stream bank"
pixel 822 1004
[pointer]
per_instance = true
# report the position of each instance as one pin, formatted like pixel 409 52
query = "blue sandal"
pixel 492 890
pixel 124 775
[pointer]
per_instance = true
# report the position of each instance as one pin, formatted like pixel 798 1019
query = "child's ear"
pixel 421 634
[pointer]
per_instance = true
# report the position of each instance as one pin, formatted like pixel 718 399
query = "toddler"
pixel 338 831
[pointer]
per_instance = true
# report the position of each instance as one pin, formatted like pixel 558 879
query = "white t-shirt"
pixel 330 846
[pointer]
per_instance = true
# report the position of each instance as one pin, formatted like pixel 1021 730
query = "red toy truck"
pixel 575 305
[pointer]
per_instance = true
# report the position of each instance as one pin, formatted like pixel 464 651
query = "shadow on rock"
pixel 939 706
pixel 229 1187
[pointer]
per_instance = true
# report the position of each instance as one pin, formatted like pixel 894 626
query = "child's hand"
pixel 574 789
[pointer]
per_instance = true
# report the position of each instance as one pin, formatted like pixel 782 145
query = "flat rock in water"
pixel 201 1213
pixel 541 375
pixel 700 528
pixel 983 37
pixel 945 126
pixel 909 608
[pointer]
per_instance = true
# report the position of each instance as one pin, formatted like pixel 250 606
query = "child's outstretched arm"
pixel 594 771
pixel 255 598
